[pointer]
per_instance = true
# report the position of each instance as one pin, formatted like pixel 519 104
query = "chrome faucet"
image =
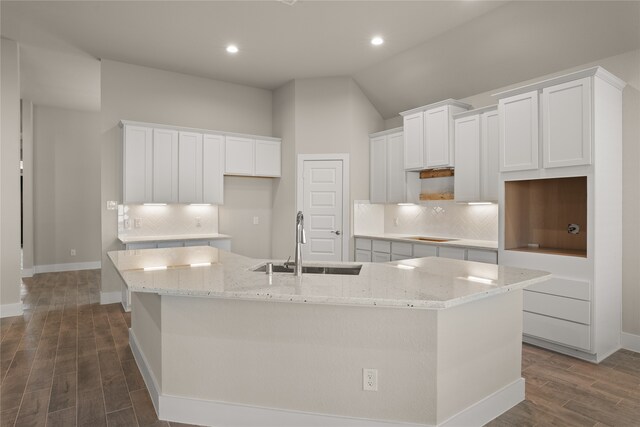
pixel 300 239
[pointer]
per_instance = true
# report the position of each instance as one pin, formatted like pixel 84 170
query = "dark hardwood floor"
pixel 67 362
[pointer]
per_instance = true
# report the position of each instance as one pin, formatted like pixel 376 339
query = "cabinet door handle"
pixel 336 232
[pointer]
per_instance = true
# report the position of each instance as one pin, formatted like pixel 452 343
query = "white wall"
pixel 138 93
pixel 10 179
pixel 627 67
pixel 66 186
pixel 329 115
pixel 27 188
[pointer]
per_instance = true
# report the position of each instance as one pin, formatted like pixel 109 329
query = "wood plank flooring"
pixel 67 362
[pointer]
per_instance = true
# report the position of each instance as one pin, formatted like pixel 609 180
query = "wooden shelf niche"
pixel 538 213
pixel 436 184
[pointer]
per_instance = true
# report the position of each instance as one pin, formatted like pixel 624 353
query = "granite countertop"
pixel 456 242
pixel 427 283
pixel 166 238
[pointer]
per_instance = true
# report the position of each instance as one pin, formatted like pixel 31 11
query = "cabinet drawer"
pixel 420 251
pixel 455 253
pixel 224 244
pixel 380 257
pixel 382 246
pixel 396 257
pixel 398 248
pixel 363 255
pixel 141 245
pixel 490 257
pixel 560 331
pixel 577 289
pixel 172 244
pixel 364 244
pixel 560 307
pixel 196 243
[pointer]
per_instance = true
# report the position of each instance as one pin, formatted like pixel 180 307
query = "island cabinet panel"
pixel 566 124
pixel 137 164
pixel 190 167
pixel 519 132
pixel 165 166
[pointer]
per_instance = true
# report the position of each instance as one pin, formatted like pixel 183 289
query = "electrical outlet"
pixel 127 224
pixel 137 222
pixel 256 220
pixel 198 222
pixel 112 205
pixel 396 221
pixel 369 379
pixel 72 252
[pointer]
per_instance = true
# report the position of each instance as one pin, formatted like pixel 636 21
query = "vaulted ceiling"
pixel 432 50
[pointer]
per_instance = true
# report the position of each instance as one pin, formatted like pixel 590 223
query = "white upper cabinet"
pixel 467 173
pixel 519 132
pixel 252 157
pixel 213 169
pixel 378 170
pixel 438 146
pixel 397 179
pixel 190 167
pixel 490 155
pixel 239 156
pixel 477 156
pixel 389 182
pixel 566 125
pixel 414 141
pixel 267 158
pixel 165 166
pixel 428 135
pixel 137 164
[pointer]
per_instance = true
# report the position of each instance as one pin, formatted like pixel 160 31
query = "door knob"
pixel 336 232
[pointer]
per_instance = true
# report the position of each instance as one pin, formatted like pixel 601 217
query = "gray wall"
pixel 138 93
pixel 320 116
pixel 10 174
pixel 66 186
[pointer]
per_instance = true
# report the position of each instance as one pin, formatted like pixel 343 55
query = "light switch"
pixel 256 220
pixel 112 205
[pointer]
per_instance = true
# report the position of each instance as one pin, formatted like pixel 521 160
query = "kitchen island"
pixel 221 344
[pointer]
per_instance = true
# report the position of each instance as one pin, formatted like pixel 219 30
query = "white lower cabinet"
pixel 373 250
pixel 454 253
pixel 560 331
pixel 478 255
pixel 171 244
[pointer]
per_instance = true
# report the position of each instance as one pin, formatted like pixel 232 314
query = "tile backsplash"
pixel 166 220
pixel 434 218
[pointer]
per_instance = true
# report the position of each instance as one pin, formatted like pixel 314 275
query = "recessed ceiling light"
pixel 377 41
pixel 232 48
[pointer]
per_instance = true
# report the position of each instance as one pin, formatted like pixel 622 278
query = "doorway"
pixel 323 198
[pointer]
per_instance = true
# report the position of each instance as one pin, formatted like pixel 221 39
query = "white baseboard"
pixel 27 272
pixel 630 341
pixel 73 266
pixel 10 310
pixel 110 297
pixel 490 407
pixel 147 375
pixel 206 412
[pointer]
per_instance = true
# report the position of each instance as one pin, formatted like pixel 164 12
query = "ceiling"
pixel 432 50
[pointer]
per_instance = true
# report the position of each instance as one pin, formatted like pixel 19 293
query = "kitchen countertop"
pixel 456 242
pixel 167 238
pixel 427 283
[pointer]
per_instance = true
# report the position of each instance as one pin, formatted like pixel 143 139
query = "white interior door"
pixel 323 210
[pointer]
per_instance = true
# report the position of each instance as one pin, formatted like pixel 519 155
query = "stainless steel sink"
pixel 432 239
pixel 352 270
